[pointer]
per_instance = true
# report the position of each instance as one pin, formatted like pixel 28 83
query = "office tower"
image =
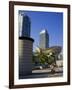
pixel 44 39
pixel 24 25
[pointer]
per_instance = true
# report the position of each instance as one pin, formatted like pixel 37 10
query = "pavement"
pixel 44 73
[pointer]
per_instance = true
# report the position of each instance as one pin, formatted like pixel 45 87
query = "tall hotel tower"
pixel 25 46
pixel 44 39
pixel 24 25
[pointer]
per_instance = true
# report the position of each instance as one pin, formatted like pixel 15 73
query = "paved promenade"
pixel 44 73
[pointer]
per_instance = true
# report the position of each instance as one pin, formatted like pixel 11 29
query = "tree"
pixel 52 62
pixel 46 58
pixel 41 56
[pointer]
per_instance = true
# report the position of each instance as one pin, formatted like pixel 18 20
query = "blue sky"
pixel 52 21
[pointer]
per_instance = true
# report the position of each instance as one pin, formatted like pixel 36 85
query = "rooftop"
pixel 43 31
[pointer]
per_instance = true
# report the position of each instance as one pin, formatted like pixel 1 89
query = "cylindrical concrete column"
pixel 25 56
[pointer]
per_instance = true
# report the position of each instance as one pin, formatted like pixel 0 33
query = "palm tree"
pixel 52 61
pixel 40 55
pixel 49 57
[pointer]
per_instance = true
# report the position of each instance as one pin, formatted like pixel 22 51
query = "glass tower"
pixel 24 25
pixel 44 39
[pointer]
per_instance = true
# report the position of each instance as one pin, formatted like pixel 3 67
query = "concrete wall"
pixel 25 57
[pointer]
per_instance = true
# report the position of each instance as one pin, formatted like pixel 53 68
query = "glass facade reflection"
pixel 24 25
pixel 44 39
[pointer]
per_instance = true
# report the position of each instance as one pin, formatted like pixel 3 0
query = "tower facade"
pixel 44 39
pixel 24 25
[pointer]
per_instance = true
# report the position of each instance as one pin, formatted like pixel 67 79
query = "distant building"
pixel 24 25
pixel 44 39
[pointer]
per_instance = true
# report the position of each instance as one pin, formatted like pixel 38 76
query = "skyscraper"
pixel 24 25
pixel 44 39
